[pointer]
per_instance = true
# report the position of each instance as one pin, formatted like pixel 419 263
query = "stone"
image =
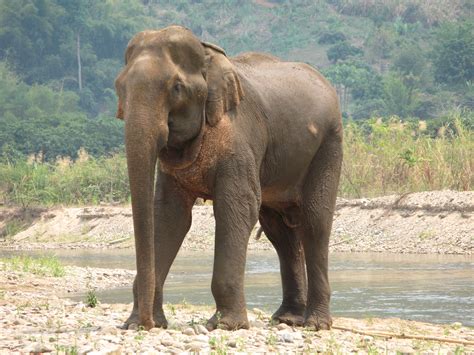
pixel 287 337
pixel 201 338
pixel 189 331
pixel 194 346
pixel 200 329
pixel 405 350
pixel 167 342
pixel 257 324
pixel 133 326
pixel 109 330
pixel 283 326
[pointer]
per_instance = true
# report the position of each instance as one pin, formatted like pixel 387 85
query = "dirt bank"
pixel 426 222
pixel 36 316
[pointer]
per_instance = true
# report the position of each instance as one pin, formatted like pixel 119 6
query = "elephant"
pixel 261 138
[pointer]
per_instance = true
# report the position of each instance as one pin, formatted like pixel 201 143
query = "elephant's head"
pixel 172 85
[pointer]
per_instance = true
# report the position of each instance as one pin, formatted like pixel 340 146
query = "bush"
pixel 393 156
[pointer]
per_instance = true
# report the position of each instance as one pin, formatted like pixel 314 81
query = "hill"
pixel 391 57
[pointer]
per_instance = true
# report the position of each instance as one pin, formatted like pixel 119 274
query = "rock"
pixel 38 348
pixel 232 343
pixel 109 330
pixel 156 330
pixel 200 329
pixel 257 324
pixel 189 331
pixel 85 349
pixel 283 326
pixel 170 342
pixel 201 338
pixel 405 350
pixel 133 326
pixel 287 337
pixel 195 346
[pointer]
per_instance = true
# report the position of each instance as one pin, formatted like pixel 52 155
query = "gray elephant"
pixel 261 138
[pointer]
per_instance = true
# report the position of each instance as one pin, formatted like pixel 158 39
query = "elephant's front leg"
pixel 236 208
pixel 172 220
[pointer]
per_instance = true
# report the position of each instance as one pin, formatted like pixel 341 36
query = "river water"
pixel 432 288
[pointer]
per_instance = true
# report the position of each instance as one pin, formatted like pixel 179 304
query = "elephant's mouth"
pixel 180 157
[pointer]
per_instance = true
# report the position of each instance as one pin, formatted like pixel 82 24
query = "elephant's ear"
pixel 119 113
pixel 224 89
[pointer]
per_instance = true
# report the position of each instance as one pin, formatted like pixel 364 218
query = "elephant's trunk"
pixel 143 140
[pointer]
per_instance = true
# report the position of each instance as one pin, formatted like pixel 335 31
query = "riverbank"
pixel 37 316
pixel 439 222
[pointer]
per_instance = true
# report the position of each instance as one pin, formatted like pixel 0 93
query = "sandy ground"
pixel 37 317
pixel 426 222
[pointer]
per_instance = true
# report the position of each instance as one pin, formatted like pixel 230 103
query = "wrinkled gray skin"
pixel 258 136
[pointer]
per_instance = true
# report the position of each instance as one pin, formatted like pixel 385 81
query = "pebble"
pixel 133 326
pixel 287 337
pixel 201 338
pixel 257 324
pixel 200 329
pixel 189 331
pixel 283 326
pixel 195 346
pixel 405 350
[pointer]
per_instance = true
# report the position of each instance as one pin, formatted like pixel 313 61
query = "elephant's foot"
pixel 133 321
pixel 289 315
pixel 229 321
pixel 160 320
pixel 319 321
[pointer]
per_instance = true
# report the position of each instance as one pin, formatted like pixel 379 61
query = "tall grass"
pixel 396 157
pixel 87 180
pixel 381 157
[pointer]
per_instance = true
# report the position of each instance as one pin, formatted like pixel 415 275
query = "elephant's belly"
pixel 281 197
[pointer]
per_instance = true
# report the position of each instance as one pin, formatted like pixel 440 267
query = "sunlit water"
pixel 432 288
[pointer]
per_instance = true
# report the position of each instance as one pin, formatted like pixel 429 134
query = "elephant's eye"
pixel 178 88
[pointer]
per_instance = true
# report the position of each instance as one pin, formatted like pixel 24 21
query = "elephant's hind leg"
pixel 292 266
pixel 319 199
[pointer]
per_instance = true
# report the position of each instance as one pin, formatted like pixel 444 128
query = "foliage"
pixel 399 99
pixel 38 118
pixel 392 156
pixel 341 51
pixel 388 57
pixel 87 180
pixel 91 299
pixel 46 265
pixel 380 157
pixel 453 53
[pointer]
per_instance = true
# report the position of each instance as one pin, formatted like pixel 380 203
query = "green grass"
pixel 91 299
pixel 389 156
pixel 381 156
pixel 47 265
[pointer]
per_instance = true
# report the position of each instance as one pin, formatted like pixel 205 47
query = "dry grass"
pixel 397 157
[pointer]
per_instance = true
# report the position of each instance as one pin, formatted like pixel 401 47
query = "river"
pixel 431 288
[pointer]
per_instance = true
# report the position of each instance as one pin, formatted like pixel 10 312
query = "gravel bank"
pixel 426 222
pixel 35 318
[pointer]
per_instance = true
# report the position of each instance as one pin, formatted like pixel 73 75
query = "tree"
pixel 399 99
pixel 453 53
pixel 342 51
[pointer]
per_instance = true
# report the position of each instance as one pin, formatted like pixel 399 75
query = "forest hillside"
pixel 59 58
pixel 403 70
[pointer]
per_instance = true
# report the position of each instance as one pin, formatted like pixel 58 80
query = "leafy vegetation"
pixel 409 59
pixel 47 265
pixel 381 156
